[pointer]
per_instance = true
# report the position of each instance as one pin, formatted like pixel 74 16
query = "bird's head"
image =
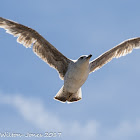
pixel 84 59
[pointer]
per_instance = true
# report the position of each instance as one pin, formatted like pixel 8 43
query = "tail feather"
pixel 61 95
pixel 76 96
pixel 64 96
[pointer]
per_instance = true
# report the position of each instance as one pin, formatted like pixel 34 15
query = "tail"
pixel 64 96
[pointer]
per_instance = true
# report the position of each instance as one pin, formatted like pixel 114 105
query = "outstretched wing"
pixel 41 47
pixel 122 49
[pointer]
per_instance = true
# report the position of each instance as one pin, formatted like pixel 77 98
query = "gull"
pixel 74 73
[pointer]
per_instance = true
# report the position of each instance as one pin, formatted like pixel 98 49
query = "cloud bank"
pixel 33 111
pixel 36 113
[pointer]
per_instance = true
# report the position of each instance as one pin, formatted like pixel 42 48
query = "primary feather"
pixel 122 49
pixel 41 47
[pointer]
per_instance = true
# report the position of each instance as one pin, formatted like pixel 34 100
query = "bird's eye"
pixel 82 57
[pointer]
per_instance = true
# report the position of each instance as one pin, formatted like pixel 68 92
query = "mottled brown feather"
pixel 122 49
pixel 41 47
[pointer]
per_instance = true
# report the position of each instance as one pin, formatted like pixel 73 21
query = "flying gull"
pixel 74 73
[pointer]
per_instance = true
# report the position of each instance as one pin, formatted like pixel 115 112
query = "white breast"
pixel 75 77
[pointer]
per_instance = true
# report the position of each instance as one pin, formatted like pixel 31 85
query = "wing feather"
pixel 41 47
pixel 122 49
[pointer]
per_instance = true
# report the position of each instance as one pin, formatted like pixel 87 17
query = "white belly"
pixel 75 78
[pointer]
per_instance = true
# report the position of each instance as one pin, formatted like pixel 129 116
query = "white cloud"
pixel 34 111
pixel 126 129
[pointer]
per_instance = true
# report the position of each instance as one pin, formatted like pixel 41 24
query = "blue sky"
pixel 110 105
